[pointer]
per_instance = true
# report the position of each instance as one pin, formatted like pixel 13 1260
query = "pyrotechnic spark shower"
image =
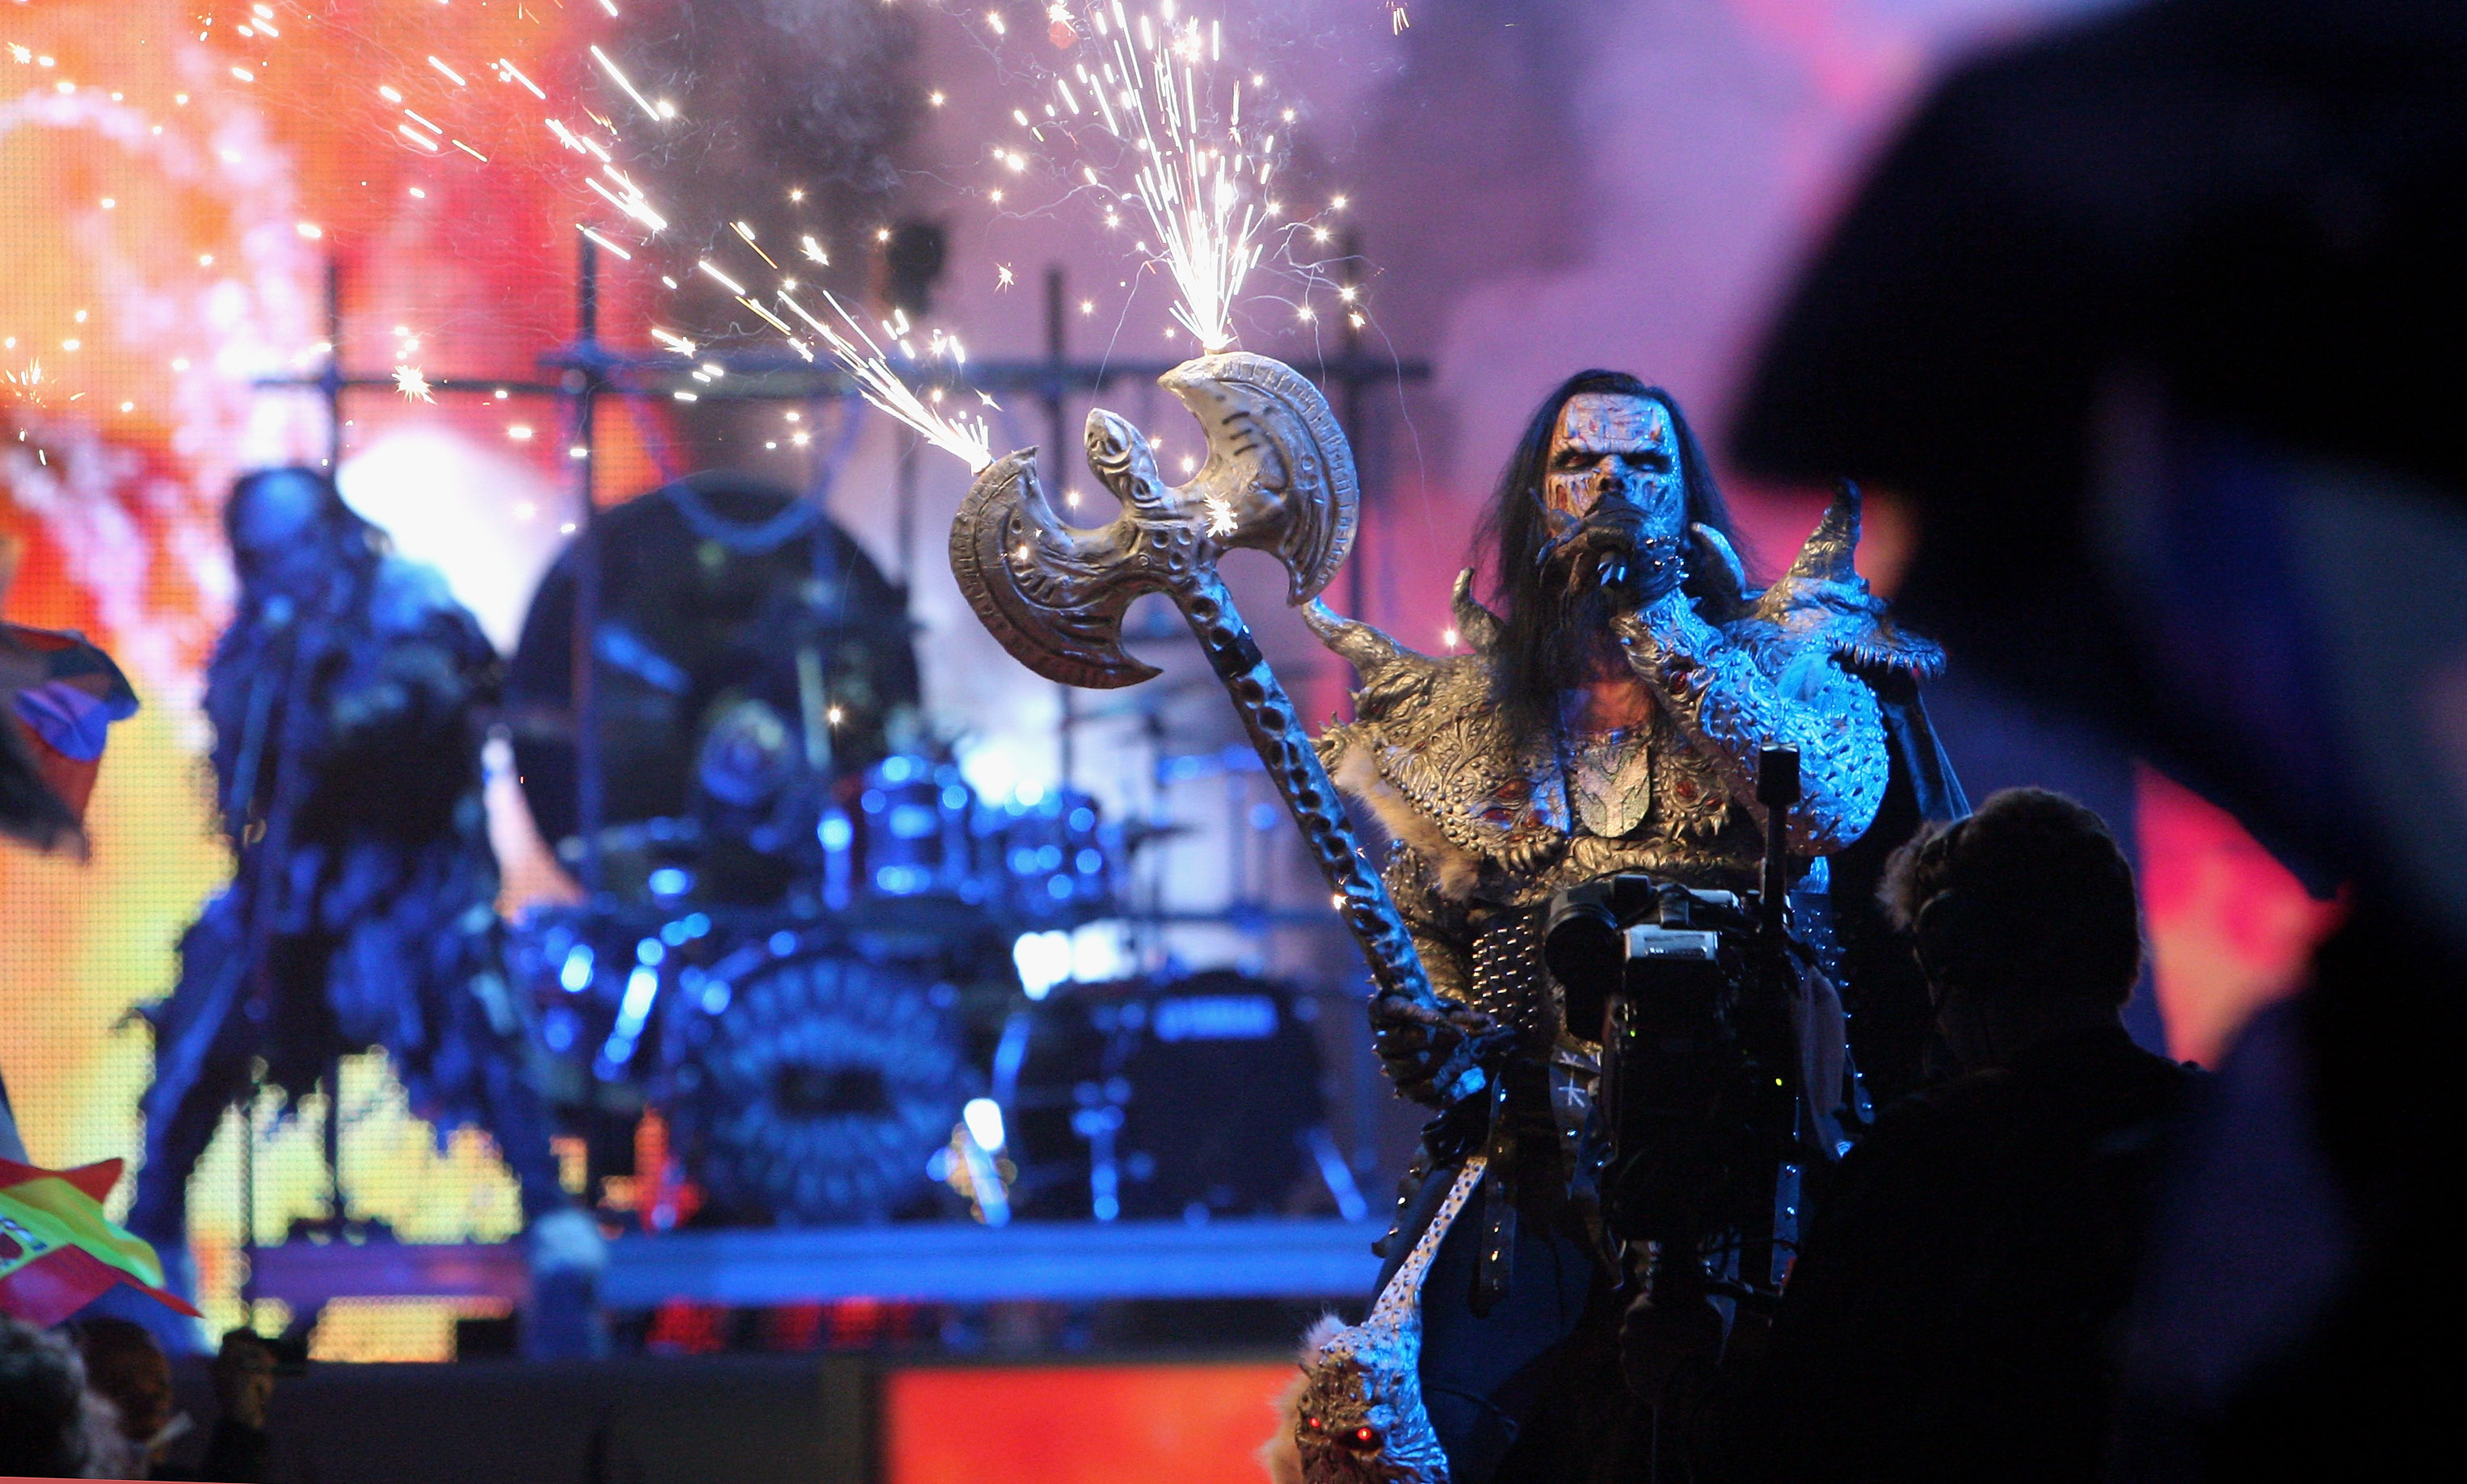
pixel 962 436
pixel 1154 87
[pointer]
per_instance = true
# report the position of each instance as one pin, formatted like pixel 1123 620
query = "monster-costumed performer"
pixel 344 699
pixel 1609 721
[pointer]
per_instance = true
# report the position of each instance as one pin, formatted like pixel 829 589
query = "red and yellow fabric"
pixel 59 1251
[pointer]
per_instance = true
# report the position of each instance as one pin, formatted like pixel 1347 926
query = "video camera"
pixel 1699 1000
pixel 1694 1009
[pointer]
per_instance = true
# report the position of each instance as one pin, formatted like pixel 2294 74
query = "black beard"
pixel 1558 634
pixel 1611 548
pixel 1599 571
pixel 1577 645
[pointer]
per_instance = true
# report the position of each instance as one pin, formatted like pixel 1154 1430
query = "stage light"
pixel 1043 960
pixel 983 1118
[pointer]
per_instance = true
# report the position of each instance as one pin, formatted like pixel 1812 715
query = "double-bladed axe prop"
pixel 1279 479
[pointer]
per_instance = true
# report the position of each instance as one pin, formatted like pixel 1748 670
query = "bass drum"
pixel 1196 1098
pixel 808 1085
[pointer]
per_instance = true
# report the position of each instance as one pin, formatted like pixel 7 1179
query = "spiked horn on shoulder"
pixel 1823 600
pixel 1279 478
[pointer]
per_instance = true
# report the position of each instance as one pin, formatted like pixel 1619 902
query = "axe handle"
pixel 1292 762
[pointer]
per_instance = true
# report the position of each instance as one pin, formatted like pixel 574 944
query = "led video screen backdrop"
pixel 179 184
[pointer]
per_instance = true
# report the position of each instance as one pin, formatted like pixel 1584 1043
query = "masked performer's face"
pixel 279 533
pixel 1621 449
pixel 1616 503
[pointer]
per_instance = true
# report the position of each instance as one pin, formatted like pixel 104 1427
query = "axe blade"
pixel 1278 464
pixel 1046 592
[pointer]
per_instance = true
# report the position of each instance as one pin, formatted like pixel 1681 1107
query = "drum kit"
pixel 801 951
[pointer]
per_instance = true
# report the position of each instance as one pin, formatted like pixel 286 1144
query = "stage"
pixel 1130 1349
pixel 1193 1418
pixel 954 880
pixel 1054 1261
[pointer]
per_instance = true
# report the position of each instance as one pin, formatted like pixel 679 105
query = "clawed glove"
pixel 1435 1053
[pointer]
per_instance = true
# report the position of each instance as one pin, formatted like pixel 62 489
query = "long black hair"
pixel 1533 613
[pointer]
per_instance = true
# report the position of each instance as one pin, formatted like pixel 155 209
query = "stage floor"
pixel 1191 1419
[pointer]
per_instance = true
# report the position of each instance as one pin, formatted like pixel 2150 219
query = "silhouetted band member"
pixel 363 911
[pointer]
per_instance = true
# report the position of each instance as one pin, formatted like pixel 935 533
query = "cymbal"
pixel 1143 701
pixel 1140 832
pixel 714 590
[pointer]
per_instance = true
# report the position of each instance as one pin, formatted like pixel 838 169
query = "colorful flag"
pixel 62 695
pixel 59 1251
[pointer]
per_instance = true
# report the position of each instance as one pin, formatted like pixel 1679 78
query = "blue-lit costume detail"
pixel 362 914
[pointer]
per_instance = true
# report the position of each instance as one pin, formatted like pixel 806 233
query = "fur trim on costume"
pixel 1281 1456
pixel 1454 873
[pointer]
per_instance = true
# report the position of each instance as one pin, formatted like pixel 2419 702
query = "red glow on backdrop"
pixel 172 188
pixel 1078 1424
pixel 2231 928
